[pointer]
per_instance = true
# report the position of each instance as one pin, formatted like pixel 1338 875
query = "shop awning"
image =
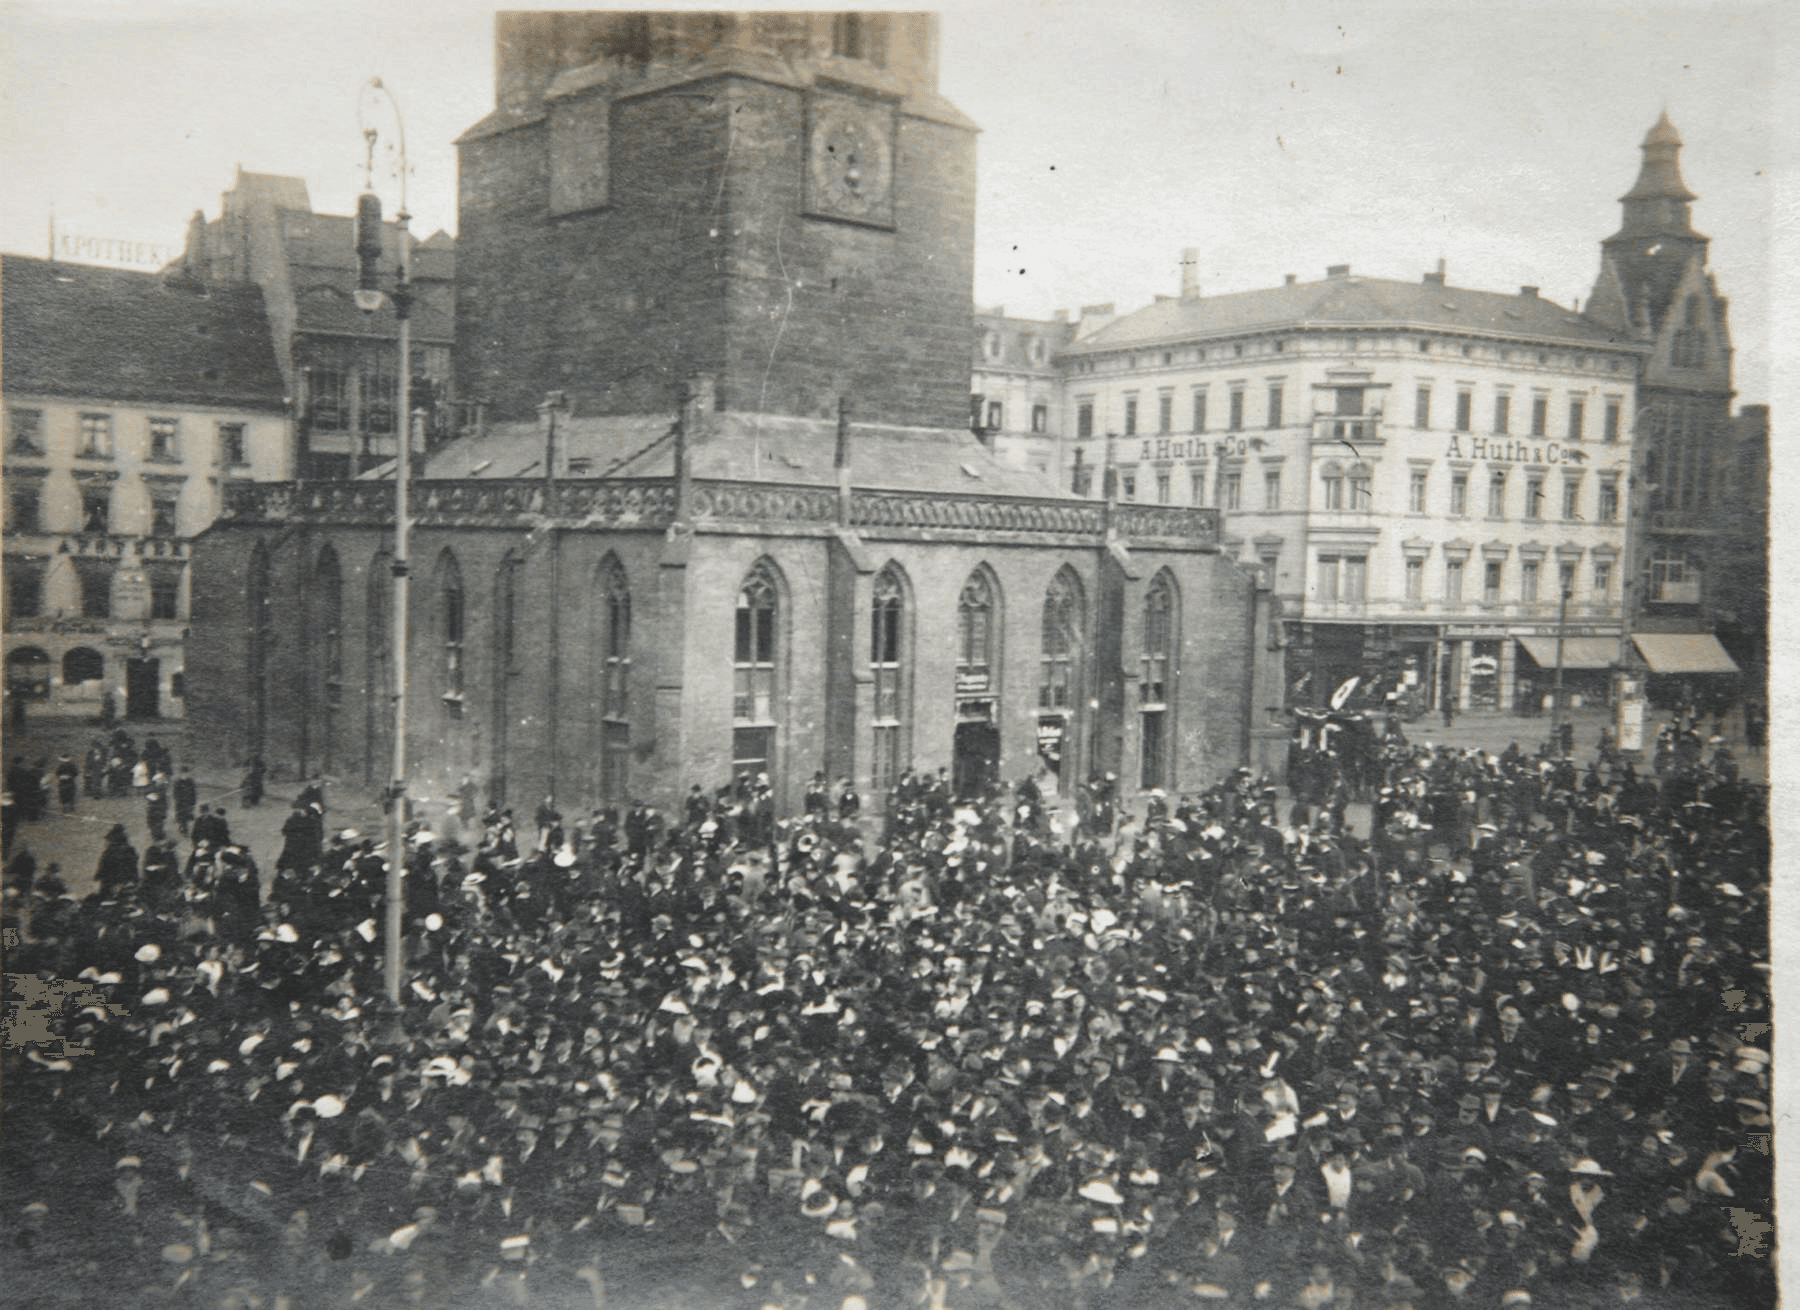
pixel 1683 652
pixel 1578 652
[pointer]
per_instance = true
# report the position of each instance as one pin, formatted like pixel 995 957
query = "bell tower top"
pixel 780 201
pixel 1646 259
pixel 536 51
pixel 1657 204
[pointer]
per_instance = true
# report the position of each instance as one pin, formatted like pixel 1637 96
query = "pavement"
pixel 1495 730
pixel 73 841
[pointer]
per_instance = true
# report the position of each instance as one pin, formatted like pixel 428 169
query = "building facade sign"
pixel 1192 447
pixel 1511 450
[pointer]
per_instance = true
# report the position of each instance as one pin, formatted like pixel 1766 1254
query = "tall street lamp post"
pixel 1559 715
pixel 369 298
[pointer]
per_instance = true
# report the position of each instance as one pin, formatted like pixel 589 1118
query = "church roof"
pixel 745 447
pixel 113 335
pixel 1347 301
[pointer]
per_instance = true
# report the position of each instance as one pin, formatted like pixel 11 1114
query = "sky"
pixel 1275 138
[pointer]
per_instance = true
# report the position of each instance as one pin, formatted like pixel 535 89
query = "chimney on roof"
pixel 1290 280
pixel 1436 279
pixel 1337 271
pixel 1190 273
pixel 1061 316
pixel 1528 293
pixel 1093 318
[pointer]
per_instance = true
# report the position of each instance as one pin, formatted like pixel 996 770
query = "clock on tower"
pixel 850 160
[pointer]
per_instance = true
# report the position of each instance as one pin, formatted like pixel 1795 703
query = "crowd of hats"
pixel 1511 1045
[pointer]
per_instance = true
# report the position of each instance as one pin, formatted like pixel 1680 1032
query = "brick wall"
pixel 680 689
pixel 702 262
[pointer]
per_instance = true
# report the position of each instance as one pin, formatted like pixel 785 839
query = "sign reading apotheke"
pixel 1511 450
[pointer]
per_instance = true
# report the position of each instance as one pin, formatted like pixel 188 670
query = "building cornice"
pixel 719 506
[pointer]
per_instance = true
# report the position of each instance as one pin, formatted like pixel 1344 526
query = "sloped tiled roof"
pixel 323 303
pixel 329 241
pixel 321 255
pixel 747 447
pixel 110 334
pixel 1347 301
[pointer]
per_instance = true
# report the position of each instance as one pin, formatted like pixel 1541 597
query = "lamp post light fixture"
pixel 369 298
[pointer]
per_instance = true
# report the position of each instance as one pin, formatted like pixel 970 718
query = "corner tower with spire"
pixel 1656 244
pixel 1654 287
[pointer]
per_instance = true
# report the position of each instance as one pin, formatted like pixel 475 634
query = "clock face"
pixel 850 163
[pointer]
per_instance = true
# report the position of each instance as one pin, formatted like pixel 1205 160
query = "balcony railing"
pixel 649 503
pixel 1353 429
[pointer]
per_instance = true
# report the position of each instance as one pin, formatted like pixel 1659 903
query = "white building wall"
pixel 1305 444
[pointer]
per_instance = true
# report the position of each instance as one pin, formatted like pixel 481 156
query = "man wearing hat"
pixel 117 872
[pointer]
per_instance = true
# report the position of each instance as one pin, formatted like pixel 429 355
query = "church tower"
pixel 1654 286
pixel 781 203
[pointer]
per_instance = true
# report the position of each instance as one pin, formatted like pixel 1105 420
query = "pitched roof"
pixel 321 258
pixel 325 304
pixel 748 447
pixel 1350 301
pixel 78 330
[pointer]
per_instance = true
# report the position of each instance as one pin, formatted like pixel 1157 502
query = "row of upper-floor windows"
pixel 96 512
pixel 1353 343
pixel 1343 577
pixel 1579 419
pixel 159 438
pixel 355 388
pixel 990 415
pixel 1351 488
pixel 94 579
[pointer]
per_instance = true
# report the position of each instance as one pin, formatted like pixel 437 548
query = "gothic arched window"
pixel 610 661
pixel 1064 633
pixel 1156 679
pixel 450 621
pixel 887 639
pixel 975 633
pixel 754 667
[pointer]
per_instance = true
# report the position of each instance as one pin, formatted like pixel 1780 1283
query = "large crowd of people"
pixel 1509 1049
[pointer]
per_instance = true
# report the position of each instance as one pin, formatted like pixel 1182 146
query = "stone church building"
pixel 714 282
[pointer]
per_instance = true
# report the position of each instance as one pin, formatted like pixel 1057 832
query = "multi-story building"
pixel 1420 470
pixel 339 362
pixel 132 401
pixel 1690 510
pixel 715 274
pixel 1740 603
pixel 1015 398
